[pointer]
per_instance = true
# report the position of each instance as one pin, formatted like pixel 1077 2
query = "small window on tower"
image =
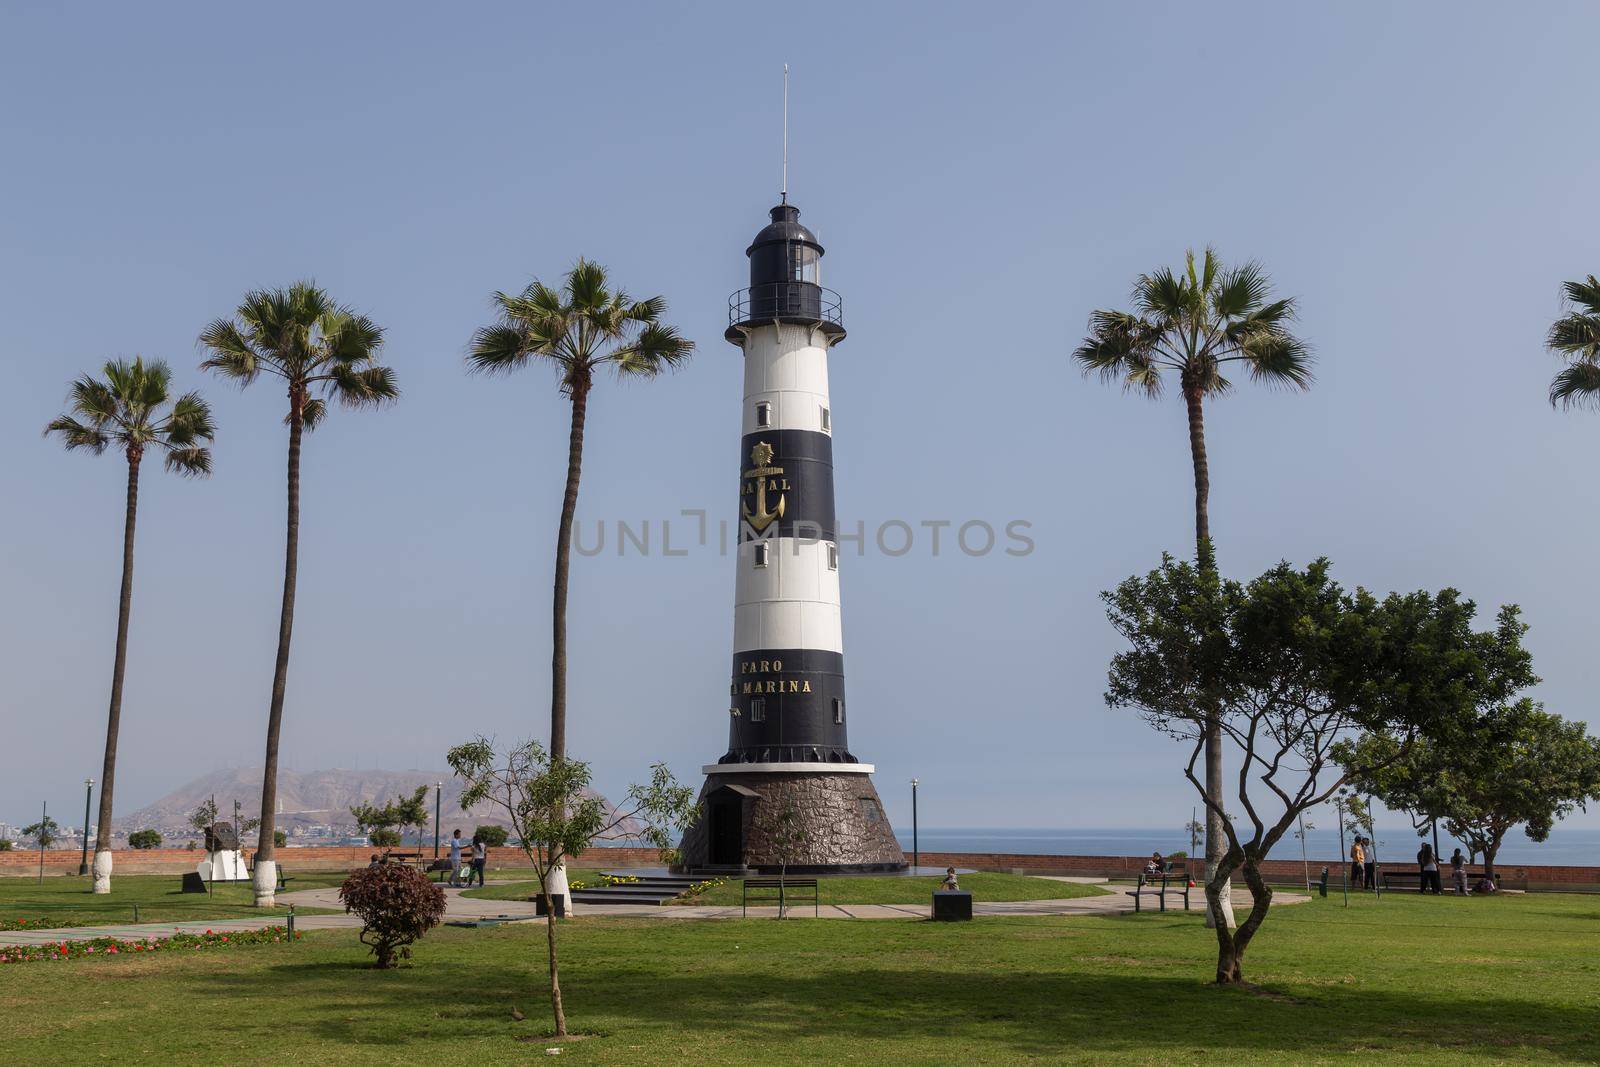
pixel 833 556
pixel 763 414
pixel 761 553
pixel 806 264
pixel 838 711
pixel 827 421
pixel 758 710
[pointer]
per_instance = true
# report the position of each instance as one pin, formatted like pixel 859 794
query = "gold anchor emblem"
pixel 761 518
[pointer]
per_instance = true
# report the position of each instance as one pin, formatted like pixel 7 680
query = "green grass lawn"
pixel 902 890
pixel 67 901
pixel 528 889
pixel 1404 980
pixel 862 890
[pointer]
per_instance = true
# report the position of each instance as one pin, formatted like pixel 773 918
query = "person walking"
pixel 480 857
pixel 1358 864
pixel 1458 873
pixel 455 857
pixel 1428 865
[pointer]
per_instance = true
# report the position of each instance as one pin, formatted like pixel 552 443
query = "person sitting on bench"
pixel 1155 865
pixel 950 882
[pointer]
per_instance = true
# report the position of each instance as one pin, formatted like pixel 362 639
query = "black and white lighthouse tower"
pixel 788 790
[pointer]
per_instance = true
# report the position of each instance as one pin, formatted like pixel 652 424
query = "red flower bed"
pixel 112 946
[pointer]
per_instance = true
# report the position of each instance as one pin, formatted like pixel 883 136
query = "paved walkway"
pixel 462 908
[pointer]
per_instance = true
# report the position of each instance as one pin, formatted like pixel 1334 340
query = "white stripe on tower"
pixel 792 602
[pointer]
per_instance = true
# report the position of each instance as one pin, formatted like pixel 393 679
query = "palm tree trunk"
pixel 569 508
pixel 558 629
pixel 108 768
pixel 266 873
pixel 1216 834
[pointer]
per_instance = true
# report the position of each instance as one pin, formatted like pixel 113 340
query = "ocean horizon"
pixel 1569 847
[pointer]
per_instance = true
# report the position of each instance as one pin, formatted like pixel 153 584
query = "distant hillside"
pixel 305 800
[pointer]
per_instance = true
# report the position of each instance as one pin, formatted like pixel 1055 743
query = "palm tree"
pixel 314 346
pixel 131 409
pixel 1192 326
pixel 1576 337
pixel 576 330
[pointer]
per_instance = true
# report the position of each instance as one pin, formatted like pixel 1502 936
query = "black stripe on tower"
pixel 794 477
pixel 788 706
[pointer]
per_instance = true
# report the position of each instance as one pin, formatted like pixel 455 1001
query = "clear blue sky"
pixel 1422 176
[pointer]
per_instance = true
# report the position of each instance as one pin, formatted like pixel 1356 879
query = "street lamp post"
pixel 438 791
pixel 916 853
pixel 88 791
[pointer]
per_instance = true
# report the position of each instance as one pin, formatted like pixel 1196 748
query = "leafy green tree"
pixel 556 817
pixel 132 409
pixel 578 330
pixel 492 835
pixel 785 837
pixel 204 817
pixel 1295 664
pixel 1192 325
pixel 6 844
pixel 319 351
pixel 377 823
pixel 412 811
pixel 1514 765
pixel 1575 337
pixel 45 832
pixel 144 839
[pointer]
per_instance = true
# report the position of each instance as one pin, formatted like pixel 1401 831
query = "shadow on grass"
pixel 1065 998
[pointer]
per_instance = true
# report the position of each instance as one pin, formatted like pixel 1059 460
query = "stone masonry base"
pixel 840 822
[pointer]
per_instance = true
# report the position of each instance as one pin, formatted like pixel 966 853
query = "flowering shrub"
pixel 7 925
pixel 618 879
pixel 112 946
pixel 700 887
pixel 397 905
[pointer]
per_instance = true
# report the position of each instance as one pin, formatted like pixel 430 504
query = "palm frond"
pixel 95 401
pixel 232 354
pixel 499 349
pixel 193 461
pixel 1575 335
pixel 649 310
pixel 312 412
pixel 362 387
pixel 1241 292
pixel 349 338
pixel 1584 294
pixel 1118 350
pixel 75 435
pixel 657 348
pixel 1276 358
pixel 586 285
pixel 1162 295
pixel 1578 385
pixel 190 421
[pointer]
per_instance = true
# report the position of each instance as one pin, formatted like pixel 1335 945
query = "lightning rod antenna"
pixel 785 190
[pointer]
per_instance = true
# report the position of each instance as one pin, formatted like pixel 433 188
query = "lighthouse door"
pixel 727 829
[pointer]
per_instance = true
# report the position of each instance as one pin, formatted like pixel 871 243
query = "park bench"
pixel 1411 878
pixel 780 890
pixel 1160 885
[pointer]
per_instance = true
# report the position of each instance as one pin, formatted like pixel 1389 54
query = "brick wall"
pixel 175 860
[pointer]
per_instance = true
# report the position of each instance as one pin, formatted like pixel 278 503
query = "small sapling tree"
pixel 786 837
pixel 556 817
pixel 396 905
pixel 1287 666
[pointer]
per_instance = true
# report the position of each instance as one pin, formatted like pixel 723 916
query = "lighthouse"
pixel 787 791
